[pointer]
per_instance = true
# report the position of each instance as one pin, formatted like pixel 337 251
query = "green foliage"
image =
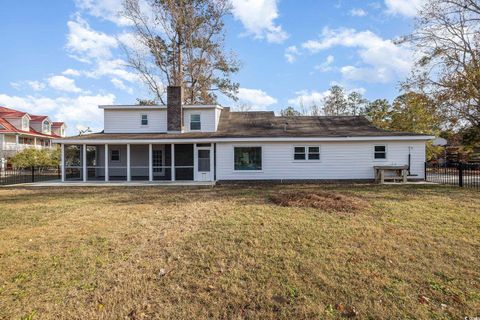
pixel 32 157
pixel 379 112
pixel 289 112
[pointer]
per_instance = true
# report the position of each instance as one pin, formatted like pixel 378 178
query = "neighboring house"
pixel 20 130
pixel 212 143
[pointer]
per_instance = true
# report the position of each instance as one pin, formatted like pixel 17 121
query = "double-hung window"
pixel 195 123
pixel 248 158
pixel 380 152
pixel 306 153
pixel 115 155
pixel 299 153
pixel 144 120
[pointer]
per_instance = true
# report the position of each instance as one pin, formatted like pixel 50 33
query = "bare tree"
pixel 335 103
pixel 447 34
pixel 180 42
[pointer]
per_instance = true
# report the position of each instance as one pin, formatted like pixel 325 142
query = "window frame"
pixel 375 152
pixel 111 154
pixel 199 121
pixel 307 153
pixel 46 126
pixel 25 123
pixel 249 146
pixel 142 119
pixel 161 171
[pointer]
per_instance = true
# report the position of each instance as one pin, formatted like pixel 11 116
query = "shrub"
pixel 32 157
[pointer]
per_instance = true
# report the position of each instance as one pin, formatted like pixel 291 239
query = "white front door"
pixel 203 162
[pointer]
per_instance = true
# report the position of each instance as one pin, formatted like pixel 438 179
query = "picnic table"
pixel 399 173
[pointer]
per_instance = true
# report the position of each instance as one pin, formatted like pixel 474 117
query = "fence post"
pixel 33 174
pixel 460 174
pixel 425 171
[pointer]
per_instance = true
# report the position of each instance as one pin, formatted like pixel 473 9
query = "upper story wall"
pixel 128 119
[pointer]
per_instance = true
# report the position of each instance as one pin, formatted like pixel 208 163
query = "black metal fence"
pixel 458 174
pixel 28 175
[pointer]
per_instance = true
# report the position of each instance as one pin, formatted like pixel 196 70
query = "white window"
pixel 62 131
pixel 195 123
pixel 115 155
pixel 157 160
pixel 144 119
pixel 46 127
pixel 248 158
pixel 25 123
pixel 306 153
pixel 380 152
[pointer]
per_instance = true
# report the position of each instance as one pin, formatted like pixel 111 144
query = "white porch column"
pixel 35 142
pixel 129 173
pixel 62 164
pixel 150 162
pixel 16 142
pixel 107 156
pixel 172 161
pixel 84 163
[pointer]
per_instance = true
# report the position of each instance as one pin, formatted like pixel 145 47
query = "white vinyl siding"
pixel 339 160
pixel 207 119
pixel 128 121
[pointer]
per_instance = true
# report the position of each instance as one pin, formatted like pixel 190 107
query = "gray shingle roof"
pixel 266 124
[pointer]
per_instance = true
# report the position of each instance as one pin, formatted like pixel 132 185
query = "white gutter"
pixel 259 139
pixel 158 107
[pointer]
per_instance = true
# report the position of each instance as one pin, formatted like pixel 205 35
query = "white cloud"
pixel 86 44
pixel 257 99
pixel 258 17
pixel 307 98
pixel 36 85
pixel 291 54
pixel 63 83
pixel 93 47
pixel 408 8
pixel 358 12
pixel 81 110
pixel 71 72
pixel 382 59
pixel 326 65
pixel 105 9
pixel 120 85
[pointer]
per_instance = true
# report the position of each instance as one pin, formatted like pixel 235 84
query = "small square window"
pixel 144 119
pixel 313 153
pixel 195 123
pixel 380 152
pixel 299 153
pixel 115 155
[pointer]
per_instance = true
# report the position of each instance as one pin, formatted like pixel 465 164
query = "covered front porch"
pixel 115 162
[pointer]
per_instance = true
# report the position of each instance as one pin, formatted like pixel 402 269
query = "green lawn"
pixel 228 252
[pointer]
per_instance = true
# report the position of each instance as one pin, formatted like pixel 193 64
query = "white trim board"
pixel 261 139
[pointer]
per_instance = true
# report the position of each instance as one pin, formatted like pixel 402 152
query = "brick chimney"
pixel 174 109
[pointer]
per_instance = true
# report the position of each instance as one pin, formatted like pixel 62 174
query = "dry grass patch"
pixel 327 201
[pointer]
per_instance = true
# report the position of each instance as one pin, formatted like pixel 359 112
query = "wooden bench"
pixel 400 173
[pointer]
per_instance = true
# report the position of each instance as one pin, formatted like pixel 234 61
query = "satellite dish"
pixel 440 142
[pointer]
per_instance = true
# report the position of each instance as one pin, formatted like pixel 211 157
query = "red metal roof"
pixel 37 118
pixel 57 124
pixel 11 113
pixel 7 127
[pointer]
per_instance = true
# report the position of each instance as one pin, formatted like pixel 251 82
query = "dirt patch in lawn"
pixel 327 201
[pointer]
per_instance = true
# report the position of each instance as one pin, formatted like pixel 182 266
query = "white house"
pixel 20 130
pixel 212 143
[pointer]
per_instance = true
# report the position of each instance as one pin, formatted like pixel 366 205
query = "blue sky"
pixel 62 58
